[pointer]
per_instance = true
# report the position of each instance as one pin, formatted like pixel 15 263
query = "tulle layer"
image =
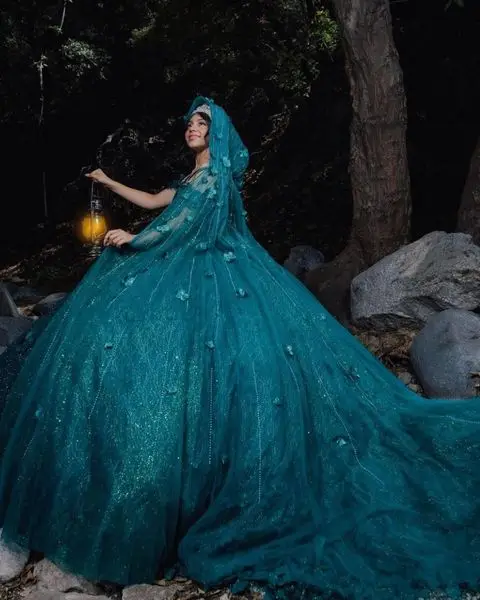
pixel 206 414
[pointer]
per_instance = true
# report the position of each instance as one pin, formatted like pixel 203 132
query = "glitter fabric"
pixel 192 406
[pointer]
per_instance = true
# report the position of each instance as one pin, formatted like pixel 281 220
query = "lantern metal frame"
pixel 96 207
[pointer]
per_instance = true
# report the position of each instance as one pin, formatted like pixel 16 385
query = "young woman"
pixel 196 138
pixel 192 406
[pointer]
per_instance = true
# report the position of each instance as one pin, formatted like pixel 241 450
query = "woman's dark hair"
pixel 205 117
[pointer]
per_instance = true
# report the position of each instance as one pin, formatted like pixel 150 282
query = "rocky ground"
pixel 42 580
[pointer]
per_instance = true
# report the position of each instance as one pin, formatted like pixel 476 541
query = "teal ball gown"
pixel 191 406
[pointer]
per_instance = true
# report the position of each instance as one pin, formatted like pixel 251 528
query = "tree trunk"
pixel 468 220
pixel 378 155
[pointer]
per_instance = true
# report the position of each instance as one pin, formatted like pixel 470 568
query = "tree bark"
pixel 378 155
pixel 468 220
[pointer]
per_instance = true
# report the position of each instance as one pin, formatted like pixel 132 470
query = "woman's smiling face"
pixel 196 133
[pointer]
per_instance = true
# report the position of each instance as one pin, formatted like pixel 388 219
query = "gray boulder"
pixel 152 592
pixel 13 559
pixel 8 308
pixel 21 292
pixel 438 271
pixel 446 355
pixel 49 304
pixel 41 594
pixel 12 327
pixel 303 259
pixel 51 578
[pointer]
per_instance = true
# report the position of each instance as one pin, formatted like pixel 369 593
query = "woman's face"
pixel 196 134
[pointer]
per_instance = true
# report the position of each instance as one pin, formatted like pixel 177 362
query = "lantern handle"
pixel 95 202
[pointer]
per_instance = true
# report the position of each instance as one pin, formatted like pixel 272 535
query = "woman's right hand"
pixel 99 176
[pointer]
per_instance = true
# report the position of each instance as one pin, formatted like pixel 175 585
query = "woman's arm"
pixel 143 199
pixel 163 198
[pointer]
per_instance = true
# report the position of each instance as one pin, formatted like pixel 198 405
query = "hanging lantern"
pixel 91 226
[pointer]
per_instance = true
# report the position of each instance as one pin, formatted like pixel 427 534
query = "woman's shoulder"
pixel 200 179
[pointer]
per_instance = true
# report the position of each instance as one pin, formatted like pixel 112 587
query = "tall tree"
pixel 468 220
pixel 378 156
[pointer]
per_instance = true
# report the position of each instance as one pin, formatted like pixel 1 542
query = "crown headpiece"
pixel 205 108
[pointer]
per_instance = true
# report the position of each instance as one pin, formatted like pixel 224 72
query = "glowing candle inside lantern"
pixel 93 227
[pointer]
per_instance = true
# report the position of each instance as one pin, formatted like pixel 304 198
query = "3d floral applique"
pixel 182 295
pixel 201 247
pixel 108 345
pixel 226 161
pixel 209 274
pixel 229 257
pixel 289 350
pixel 189 218
pixel 241 293
pixel 277 402
pixel 128 280
pixel 352 373
pixel 172 390
pixel 243 153
pixel 212 192
pixel 165 228
pixel 210 344
pixel 340 441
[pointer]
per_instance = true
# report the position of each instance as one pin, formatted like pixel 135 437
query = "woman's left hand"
pixel 117 237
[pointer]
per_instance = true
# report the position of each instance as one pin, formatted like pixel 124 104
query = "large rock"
pixel 51 578
pixel 13 559
pixel 12 327
pixel 303 259
pixel 439 271
pixel 446 355
pixel 171 591
pixel 42 594
pixel 8 308
pixel 22 292
pixel 50 303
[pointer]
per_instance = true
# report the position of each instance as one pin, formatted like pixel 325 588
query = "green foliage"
pixel 78 41
pixel 260 50
pixel 272 46
pixel 324 31
pixel 85 69
pixel 81 57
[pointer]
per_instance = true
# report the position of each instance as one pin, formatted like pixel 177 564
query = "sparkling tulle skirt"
pixel 202 412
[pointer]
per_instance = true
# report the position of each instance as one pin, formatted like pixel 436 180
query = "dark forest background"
pixel 129 69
